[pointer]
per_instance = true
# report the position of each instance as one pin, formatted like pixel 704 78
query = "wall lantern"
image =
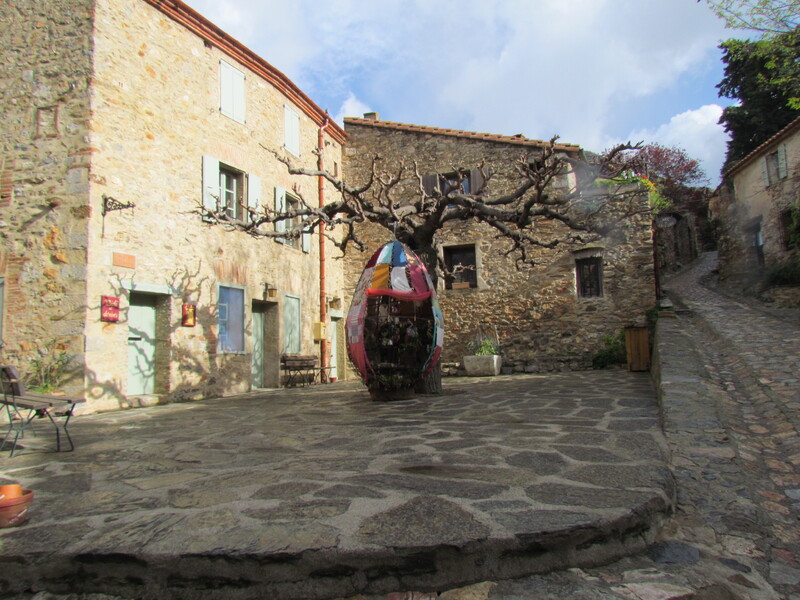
pixel 269 291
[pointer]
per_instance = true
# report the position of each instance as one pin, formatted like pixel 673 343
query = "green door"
pixel 257 365
pixel 141 344
pixel 334 348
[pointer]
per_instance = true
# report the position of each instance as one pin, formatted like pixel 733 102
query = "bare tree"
pixel 585 212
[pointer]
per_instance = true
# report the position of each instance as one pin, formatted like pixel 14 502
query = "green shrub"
pixel 483 347
pixel 785 273
pixel 613 353
pixel 49 369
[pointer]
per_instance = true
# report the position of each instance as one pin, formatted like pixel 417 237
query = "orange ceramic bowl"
pixel 15 511
pixel 13 490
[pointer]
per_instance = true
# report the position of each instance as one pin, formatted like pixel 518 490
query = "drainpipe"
pixel 323 308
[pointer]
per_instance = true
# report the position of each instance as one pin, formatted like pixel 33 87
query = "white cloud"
pixel 351 107
pixel 697 132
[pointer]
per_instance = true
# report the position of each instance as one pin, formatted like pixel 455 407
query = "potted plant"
pixel 485 361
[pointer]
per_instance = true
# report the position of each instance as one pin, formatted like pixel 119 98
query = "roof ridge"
pixel 491 137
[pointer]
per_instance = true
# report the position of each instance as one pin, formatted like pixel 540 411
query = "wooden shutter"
pixel 783 171
pixel 475 181
pixel 211 191
pixel 254 193
pixel 291 124
pixel 280 208
pixel 765 172
pixel 430 183
pixel 292 341
pixel 231 92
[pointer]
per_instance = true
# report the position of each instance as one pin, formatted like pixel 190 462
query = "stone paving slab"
pixel 321 492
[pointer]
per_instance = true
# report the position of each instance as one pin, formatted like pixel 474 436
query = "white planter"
pixel 482 366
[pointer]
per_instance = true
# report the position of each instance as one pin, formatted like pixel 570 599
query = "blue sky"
pixel 594 72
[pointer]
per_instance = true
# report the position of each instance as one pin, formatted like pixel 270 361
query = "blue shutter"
pixel 253 193
pixel 211 191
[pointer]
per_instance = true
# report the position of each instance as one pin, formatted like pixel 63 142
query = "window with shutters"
pixel 231 92
pixel 285 203
pixel 291 130
pixel 589 276
pixel 230 319
pixel 774 166
pixel 228 191
pixel 462 267
pixel 457 182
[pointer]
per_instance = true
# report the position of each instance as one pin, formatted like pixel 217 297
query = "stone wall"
pixel 540 321
pixel 749 203
pixel 154 90
pixel 676 241
pixel 44 178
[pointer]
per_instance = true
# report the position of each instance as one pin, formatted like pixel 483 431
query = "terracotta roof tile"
pixel 757 152
pixel 519 139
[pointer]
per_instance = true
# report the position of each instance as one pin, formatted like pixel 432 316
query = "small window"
pixel 462 267
pixel 790 227
pixel 230 319
pixel 291 130
pixel 231 92
pixel 231 186
pixel 589 275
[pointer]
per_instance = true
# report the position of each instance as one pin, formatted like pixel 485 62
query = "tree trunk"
pixel 428 254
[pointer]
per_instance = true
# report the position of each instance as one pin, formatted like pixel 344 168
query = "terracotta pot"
pixel 13 490
pixel 14 511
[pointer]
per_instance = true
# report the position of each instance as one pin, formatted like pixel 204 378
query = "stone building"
pixel 551 316
pixel 759 209
pixel 119 119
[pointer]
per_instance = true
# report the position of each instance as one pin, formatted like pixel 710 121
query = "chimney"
pixel 371 116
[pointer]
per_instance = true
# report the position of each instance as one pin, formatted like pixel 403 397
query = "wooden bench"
pixel 303 369
pixel 22 407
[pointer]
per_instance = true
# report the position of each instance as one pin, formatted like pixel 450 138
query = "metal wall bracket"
pixel 111 204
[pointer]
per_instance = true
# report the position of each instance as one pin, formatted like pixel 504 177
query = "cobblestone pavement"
pixel 730 403
pixel 317 492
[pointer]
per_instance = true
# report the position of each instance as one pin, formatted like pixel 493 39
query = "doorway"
pixel 265 363
pixel 141 344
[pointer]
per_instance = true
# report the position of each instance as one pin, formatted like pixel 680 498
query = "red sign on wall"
pixel 189 315
pixel 109 308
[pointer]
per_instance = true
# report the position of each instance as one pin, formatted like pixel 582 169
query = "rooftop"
pixel 371 119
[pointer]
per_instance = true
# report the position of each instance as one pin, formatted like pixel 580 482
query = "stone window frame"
pixel 223 317
pixel 231 92
pixel 475 282
pixel 589 273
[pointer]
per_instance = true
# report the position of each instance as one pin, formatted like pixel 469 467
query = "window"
pixel 291 130
pixel 589 275
pixel 231 185
pixel 231 92
pixel 229 190
pixel 773 169
pixel 291 325
pixel 230 319
pixel 459 182
pixel 790 226
pixel 284 203
pixel 462 267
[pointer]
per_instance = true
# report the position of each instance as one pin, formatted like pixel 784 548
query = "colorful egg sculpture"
pixel 395 328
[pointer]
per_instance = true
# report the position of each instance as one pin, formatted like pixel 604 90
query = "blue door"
pixel 141 344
